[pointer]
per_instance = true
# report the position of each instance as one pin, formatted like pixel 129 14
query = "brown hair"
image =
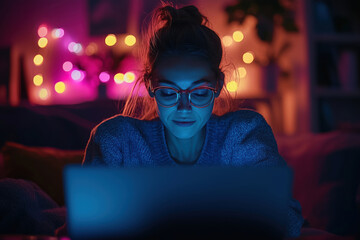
pixel 176 31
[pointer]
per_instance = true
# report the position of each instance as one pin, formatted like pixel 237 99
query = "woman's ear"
pixel 220 84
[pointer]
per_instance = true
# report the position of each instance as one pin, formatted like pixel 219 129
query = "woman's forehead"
pixel 183 70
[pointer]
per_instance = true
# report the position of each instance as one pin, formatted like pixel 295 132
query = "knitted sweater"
pixel 241 138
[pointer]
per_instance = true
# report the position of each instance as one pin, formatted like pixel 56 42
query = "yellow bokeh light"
pixel 232 86
pixel 242 72
pixel 38 60
pixel 129 77
pixel 42 42
pixel 44 94
pixel 238 36
pixel 227 41
pixel 60 87
pixel 38 80
pixel 119 78
pixel 110 40
pixel 130 40
pixel 248 57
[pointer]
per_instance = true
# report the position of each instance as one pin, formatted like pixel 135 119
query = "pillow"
pixel 41 165
pixel 326 176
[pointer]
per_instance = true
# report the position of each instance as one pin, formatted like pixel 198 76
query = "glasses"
pixel 199 97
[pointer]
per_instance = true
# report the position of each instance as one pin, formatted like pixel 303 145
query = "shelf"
pixel 337 93
pixel 338 38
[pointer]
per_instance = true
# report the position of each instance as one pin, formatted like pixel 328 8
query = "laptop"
pixel 177 202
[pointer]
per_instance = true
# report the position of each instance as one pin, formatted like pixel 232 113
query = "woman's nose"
pixel 184 102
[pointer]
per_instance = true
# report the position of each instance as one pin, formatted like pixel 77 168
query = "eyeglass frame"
pixel 179 92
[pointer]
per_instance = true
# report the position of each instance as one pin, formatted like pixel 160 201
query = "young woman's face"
pixel 184 120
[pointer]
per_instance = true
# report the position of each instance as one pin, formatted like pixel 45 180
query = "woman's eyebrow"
pixel 203 80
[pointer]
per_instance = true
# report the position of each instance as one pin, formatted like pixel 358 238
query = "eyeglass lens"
pixel 198 97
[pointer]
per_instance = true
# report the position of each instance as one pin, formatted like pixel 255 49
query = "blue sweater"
pixel 241 138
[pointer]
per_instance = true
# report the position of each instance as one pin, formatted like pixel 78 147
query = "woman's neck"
pixel 185 150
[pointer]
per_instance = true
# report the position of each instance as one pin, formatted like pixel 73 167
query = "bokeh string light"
pixel 119 78
pixel 110 40
pixel 247 58
pixel 130 40
pixel 38 59
pixel 38 80
pixel 77 74
pixel 60 87
pixel 57 33
pixel 42 43
pixel 104 77
pixel 67 66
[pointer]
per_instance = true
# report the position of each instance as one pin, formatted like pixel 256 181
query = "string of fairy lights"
pixel 247 58
pixel 77 75
pixel 46 35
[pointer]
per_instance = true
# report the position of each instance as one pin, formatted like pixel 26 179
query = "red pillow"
pixel 41 165
pixel 326 178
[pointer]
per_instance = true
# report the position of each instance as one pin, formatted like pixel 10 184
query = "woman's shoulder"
pixel 242 117
pixel 119 123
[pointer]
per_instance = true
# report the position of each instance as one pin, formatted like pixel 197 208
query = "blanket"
pixel 26 209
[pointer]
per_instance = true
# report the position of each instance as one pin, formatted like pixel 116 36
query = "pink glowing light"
pixel 71 46
pixel 42 31
pixel 75 47
pixel 57 33
pixel 67 66
pixel 104 77
pixel 77 75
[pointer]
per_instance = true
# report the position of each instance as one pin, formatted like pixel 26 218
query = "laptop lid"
pixel 176 202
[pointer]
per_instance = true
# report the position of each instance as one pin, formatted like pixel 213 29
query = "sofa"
pixel 36 142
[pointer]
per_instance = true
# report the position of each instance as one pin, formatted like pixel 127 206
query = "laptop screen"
pixel 176 202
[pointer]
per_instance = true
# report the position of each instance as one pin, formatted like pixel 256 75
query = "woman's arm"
pixel 257 147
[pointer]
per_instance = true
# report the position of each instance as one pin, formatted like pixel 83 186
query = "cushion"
pixel 41 165
pixel 326 178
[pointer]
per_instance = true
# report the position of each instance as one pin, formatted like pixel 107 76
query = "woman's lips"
pixel 184 123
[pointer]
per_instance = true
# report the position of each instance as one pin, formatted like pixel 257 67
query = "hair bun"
pixel 188 14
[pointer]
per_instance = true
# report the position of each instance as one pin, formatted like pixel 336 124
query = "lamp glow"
pixel 44 94
pixel 227 41
pixel 38 80
pixel 130 40
pixel 232 86
pixel 238 36
pixel 242 72
pixel 91 49
pixel 248 57
pixel 38 60
pixel 129 77
pixel 60 87
pixel 42 31
pixel 119 78
pixel 42 42
pixel 110 40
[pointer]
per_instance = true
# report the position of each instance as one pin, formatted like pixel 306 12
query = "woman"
pixel 175 124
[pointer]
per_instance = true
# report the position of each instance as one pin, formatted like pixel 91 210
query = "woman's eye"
pixel 201 93
pixel 168 93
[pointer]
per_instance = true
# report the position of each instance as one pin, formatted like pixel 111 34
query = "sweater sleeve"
pixel 256 146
